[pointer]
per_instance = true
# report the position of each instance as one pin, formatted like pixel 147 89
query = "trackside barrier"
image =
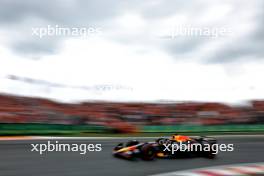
pixel 60 129
pixel 46 129
pixel 201 128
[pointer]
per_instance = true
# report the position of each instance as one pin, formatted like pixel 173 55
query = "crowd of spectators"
pixel 15 109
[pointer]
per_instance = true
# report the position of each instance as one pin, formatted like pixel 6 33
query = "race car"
pixel 177 146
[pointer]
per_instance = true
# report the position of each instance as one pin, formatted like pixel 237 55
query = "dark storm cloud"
pixel 100 13
pixel 250 46
pixel 179 45
pixel 244 49
pixel 58 11
pixel 67 13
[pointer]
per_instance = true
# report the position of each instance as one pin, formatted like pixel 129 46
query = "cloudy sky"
pixel 135 51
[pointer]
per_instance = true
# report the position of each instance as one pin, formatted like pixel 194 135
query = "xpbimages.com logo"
pixel 197 147
pixel 57 30
pixel 60 147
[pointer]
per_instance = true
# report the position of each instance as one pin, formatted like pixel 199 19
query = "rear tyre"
pixel 211 153
pixel 148 152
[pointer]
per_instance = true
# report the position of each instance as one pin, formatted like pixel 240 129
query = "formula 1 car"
pixel 177 146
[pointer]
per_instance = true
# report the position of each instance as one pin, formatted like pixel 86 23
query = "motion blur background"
pixel 35 116
pixel 137 71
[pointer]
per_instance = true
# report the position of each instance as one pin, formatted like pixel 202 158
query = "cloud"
pixel 248 46
pixel 58 11
pixel 18 18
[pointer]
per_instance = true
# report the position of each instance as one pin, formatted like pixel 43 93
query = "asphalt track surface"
pixel 18 160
